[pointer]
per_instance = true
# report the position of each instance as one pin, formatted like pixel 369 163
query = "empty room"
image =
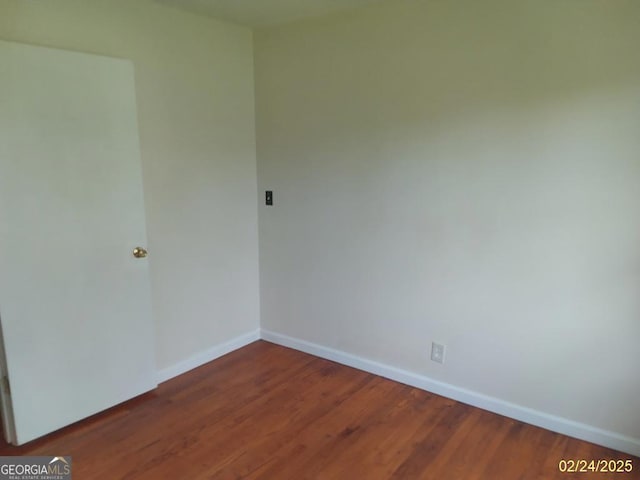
pixel 320 239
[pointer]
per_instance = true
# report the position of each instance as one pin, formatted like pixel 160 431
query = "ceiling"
pixel 264 13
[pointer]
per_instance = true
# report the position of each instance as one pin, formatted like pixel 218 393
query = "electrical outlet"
pixel 437 352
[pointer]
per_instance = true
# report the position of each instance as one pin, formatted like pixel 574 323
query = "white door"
pixel 74 302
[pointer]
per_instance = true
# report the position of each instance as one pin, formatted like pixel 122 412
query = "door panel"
pixel 74 302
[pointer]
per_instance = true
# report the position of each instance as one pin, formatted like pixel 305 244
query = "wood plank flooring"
pixel 268 412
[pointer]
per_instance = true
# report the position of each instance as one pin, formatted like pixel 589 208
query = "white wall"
pixel 194 82
pixel 465 172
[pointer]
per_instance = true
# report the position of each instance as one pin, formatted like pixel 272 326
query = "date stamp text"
pixel 600 466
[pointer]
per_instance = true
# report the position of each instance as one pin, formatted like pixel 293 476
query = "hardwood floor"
pixel 268 412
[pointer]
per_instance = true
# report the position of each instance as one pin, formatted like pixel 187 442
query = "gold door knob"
pixel 139 252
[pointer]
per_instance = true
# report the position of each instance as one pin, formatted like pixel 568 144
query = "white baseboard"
pixel 206 356
pixel 540 419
